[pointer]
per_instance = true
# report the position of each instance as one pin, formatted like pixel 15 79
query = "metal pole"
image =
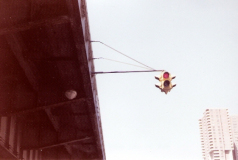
pixel 127 71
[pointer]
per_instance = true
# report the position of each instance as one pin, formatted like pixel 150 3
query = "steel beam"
pixel 35 24
pixel 6 154
pixel 42 108
pixel 59 144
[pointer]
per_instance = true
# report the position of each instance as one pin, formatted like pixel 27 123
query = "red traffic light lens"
pixel 166 83
pixel 166 75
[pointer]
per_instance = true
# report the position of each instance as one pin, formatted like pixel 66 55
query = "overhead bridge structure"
pixel 45 54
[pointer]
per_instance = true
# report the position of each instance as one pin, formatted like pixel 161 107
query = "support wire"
pixel 121 62
pixel 123 54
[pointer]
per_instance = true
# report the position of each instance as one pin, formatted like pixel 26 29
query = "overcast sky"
pixel 196 40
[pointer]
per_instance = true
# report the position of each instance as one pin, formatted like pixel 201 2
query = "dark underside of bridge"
pixel 45 51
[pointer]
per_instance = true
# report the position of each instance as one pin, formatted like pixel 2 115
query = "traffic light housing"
pixel 165 79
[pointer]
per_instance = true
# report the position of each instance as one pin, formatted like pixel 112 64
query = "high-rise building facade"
pixel 216 135
pixel 234 128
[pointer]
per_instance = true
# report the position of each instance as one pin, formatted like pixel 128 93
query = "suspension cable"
pixel 121 62
pixel 123 54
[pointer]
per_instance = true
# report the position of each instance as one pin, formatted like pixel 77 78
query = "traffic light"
pixel 165 79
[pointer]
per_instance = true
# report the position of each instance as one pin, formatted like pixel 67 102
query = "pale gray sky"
pixel 197 40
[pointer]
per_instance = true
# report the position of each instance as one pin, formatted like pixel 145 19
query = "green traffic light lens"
pixel 166 83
